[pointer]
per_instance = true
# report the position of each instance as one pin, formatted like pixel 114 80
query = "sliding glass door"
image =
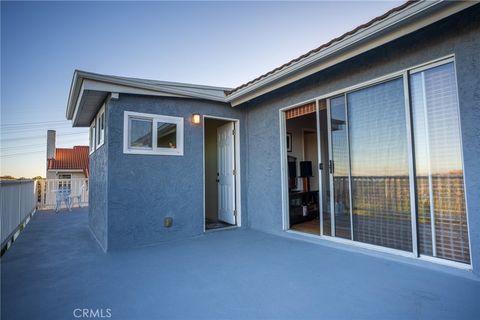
pixel 379 165
pixel 395 171
pixel 442 218
pixel 339 168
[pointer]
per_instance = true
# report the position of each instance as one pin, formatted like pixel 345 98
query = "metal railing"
pixel 49 189
pixel 18 202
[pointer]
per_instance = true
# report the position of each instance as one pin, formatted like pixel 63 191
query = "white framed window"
pixel 100 127
pixel 92 136
pixel 145 133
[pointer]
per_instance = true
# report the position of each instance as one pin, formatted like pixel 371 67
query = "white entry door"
pixel 226 173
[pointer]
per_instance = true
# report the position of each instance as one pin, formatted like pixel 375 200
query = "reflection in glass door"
pixel 379 165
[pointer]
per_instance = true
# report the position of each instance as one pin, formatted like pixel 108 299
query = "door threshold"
pixel 220 229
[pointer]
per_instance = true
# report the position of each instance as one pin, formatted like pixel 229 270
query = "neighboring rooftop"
pixel 70 159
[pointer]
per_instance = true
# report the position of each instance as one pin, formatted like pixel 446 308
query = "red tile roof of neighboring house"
pixel 73 159
pixel 325 45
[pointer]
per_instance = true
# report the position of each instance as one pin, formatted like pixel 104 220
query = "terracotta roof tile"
pixel 325 45
pixel 76 159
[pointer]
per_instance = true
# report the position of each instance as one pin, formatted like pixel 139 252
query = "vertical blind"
pixel 442 218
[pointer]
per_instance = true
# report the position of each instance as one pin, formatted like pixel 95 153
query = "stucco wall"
pixel 459 35
pixel 97 192
pixel 144 189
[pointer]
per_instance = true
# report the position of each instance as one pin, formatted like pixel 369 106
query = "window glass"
pixel 140 133
pixel 379 166
pixel 442 218
pixel 92 137
pixel 340 167
pixel 101 129
pixel 166 135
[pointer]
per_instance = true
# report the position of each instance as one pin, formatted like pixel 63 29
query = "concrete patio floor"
pixel 56 266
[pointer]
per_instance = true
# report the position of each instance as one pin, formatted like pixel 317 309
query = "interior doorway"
pixel 303 174
pixel 221 181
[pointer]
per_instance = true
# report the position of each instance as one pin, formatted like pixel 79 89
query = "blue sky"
pixel 212 43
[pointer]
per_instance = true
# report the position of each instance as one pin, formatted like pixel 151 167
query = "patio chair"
pixel 63 195
pixel 80 194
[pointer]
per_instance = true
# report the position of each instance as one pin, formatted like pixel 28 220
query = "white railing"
pixel 18 202
pixel 49 189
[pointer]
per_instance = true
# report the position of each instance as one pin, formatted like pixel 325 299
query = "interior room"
pixel 303 177
pixel 219 176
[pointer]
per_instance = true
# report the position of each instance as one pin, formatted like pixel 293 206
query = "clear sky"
pixel 211 43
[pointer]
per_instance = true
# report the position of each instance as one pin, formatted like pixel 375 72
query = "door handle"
pixel 331 166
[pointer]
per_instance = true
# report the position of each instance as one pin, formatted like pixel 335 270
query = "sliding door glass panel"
pixel 442 218
pixel 379 166
pixel 325 156
pixel 339 167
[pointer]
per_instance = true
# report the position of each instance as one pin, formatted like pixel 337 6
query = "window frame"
pixel 92 136
pixel 100 127
pixel 155 119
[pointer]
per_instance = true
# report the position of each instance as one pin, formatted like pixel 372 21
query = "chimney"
pixel 51 144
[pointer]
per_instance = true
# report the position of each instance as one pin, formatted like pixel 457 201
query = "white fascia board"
pixel 172 88
pixel 338 52
pixel 116 88
pixel 77 104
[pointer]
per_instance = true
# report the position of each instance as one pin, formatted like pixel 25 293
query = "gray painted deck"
pixel 56 266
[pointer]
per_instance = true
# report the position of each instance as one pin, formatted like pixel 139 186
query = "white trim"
pixel 319 172
pixel 92 137
pixel 411 163
pixel 284 170
pixel 333 222
pixel 154 118
pixel 100 135
pixel 238 176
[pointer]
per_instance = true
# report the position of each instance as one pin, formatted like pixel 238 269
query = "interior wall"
pixel 296 127
pixel 211 189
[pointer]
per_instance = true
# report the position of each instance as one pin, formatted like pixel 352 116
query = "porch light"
pixel 195 118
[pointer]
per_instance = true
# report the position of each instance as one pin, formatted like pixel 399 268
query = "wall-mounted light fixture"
pixel 196 118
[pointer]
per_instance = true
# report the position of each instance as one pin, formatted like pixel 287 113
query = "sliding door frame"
pixel 404 74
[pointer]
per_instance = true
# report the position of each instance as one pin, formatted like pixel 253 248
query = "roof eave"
pixel 96 82
pixel 412 18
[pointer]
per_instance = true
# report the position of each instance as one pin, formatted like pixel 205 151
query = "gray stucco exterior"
pixel 131 194
pixel 144 189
